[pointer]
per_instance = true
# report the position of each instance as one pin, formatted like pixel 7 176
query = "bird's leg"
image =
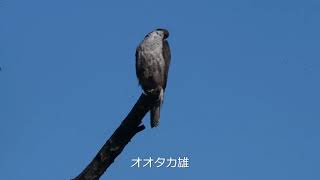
pixel 156 93
pixel 150 91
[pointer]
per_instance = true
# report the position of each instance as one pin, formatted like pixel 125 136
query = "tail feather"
pixel 155 111
pixel 155 116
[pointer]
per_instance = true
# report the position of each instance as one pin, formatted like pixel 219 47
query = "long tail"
pixel 155 116
pixel 155 111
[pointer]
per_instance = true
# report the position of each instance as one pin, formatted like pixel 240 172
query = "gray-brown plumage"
pixel 152 65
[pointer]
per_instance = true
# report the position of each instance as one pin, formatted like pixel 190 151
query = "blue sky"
pixel 242 100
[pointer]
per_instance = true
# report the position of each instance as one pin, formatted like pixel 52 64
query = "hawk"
pixel 153 58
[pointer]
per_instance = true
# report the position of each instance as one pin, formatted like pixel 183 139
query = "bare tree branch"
pixel 129 127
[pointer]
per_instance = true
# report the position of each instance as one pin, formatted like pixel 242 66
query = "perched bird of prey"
pixel 153 58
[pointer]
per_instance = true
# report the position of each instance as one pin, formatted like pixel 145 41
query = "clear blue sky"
pixel 242 100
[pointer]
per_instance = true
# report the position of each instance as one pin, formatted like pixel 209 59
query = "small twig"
pixel 129 127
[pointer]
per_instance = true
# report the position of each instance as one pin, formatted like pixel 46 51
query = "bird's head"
pixel 157 34
pixel 163 32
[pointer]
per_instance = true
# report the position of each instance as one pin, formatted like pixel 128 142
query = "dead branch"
pixel 129 127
